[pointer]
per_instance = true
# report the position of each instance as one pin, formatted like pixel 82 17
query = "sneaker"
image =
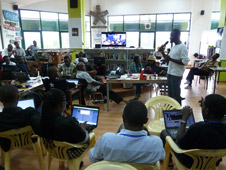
pixel 187 82
pixel 188 87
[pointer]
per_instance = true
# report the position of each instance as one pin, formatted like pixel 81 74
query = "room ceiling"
pixel 22 3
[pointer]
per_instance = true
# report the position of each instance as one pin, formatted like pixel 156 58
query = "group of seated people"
pixel 132 143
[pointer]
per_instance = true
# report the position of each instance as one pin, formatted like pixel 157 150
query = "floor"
pixel 110 121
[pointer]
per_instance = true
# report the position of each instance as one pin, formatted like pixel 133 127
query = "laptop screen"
pixel 72 81
pixel 26 103
pixel 86 113
pixel 172 119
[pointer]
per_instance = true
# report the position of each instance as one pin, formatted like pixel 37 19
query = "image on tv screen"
pixel 113 39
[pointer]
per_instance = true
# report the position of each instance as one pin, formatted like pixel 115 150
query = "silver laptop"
pixel 172 120
pixel 25 103
pixel 73 81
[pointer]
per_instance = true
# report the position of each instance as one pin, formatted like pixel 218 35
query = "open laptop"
pixel 172 120
pixel 73 81
pixel 25 103
pixel 89 114
pixel 99 60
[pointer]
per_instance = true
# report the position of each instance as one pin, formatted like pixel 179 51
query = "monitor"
pixel 113 39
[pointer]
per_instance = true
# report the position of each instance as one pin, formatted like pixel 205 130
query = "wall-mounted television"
pixel 113 39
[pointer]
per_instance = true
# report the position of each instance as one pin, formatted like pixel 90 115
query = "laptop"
pixel 99 60
pixel 89 114
pixel 172 120
pixel 73 81
pixel 25 103
pixel 162 71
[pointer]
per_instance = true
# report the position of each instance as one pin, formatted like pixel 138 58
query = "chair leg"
pixel 74 164
pixel 3 157
pixel 49 159
pixel 38 152
pixel 7 161
pixel 102 97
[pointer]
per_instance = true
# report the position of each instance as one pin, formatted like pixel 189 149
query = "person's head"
pixel 151 60
pixel 175 36
pixel 53 72
pixel 215 56
pixel 9 96
pixel 80 54
pixel 67 60
pixel 213 107
pixel 34 43
pixel 81 66
pixel 135 115
pixel 17 44
pixel 81 59
pixel 20 60
pixel 10 47
pixel 6 59
pixel 101 54
pixel 136 59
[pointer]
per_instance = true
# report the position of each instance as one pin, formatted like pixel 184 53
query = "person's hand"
pixel 84 125
pixel 186 112
pixel 167 58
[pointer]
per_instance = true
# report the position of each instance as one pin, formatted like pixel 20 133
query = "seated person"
pixel 99 65
pixel 157 54
pixel 204 70
pixel 132 144
pixel 209 134
pixel 52 125
pixel 19 51
pixel 79 55
pixel 9 51
pixel 67 69
pixel 94 85
pixel 21 65
pixel 136 67
pixel 150 67
pixel 32 68
pixel 6 61
pixel 12 117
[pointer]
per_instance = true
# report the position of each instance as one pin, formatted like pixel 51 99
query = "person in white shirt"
pixel 132 144
pixel 178 59
pixel 32 49
pixel 7 61
pixel 78 56
pixel 19 51
pixel 9 51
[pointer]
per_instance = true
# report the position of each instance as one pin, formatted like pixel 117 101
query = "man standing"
pixel 178 59
pixel 68 69
pixel 20 51
pixel 32 49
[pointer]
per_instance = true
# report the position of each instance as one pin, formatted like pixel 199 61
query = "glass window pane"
pixel 29 37
pixel 132 39
pixel 147 22
pixel 87 45
pixel 63 22
pixel 131 23
pixel 65 39
pixel 50 40
pixel 30 20
pixel 181 22
pixel 161 38
pixel 87 20
pixel 49 21
pixel 164 22
pixel 215 18
pixel 147 40
pixel 184 37
pixel 115 23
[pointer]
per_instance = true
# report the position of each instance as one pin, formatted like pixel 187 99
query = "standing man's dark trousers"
pixel 195 71
pixel 174 87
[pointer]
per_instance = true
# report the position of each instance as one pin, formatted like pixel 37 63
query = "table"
pixel 162 80
pixel 217 71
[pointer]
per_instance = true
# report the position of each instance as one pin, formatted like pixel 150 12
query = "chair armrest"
pixel 175 147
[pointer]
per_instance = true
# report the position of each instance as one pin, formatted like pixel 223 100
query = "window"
pixel 29 37
pixel 215 18
pixel 63 22
pixel 164 22
pixel 147 22
pixel 147 40
pixel 132 39
pixel 115 23
pixel 131 23
pixel 50 40
pixel 49 21
pixel 88 32
pixel 65 39
pixel 30 20
pixel 181 22
pixel 161 38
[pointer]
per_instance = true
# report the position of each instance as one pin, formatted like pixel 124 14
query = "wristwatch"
pixel 183 122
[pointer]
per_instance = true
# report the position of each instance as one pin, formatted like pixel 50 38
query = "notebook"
pixel 172 120
pixel 86 113
pixel 73 81
pixel 25 103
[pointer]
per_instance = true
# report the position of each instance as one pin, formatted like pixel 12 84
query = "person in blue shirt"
pixel 21 64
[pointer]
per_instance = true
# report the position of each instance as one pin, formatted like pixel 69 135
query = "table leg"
pixel 215 81
pixel 107 96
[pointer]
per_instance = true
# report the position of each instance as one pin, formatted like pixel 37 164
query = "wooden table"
pixel 217 71
pixel 162 80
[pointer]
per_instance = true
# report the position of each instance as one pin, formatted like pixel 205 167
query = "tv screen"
pixel 113 39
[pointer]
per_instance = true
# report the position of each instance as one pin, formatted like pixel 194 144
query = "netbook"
pixel 73 81
pixel 25 103
pixel 172 119
pixel 89 114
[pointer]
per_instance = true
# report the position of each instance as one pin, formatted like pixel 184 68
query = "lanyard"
pixel 133 136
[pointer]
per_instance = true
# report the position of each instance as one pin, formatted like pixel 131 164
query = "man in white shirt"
pixel 32 49
pixel 9 51
pixel 7 61
pixel 78 56
pixel 132 144
pixel 19 51
pixel 178 59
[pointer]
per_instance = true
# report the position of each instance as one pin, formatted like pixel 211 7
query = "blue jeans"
pixel 174 87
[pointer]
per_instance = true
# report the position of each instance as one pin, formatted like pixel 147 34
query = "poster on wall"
pixel 10 27
pixel 74 31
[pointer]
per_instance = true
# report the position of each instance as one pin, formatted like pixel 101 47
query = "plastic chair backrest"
pixel 160 103
pixel 19 138
pixel 103 165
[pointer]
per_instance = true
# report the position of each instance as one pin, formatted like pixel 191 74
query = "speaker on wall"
pixel 73 3
pixel 202 12
pixel 15 7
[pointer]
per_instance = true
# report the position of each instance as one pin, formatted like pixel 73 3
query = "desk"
pixel 217 71
pixel 35 85
pixel 162 80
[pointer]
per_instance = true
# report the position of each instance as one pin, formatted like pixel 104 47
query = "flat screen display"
pixel 113 39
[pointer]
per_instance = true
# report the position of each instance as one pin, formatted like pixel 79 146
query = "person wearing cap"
pixel 150 67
